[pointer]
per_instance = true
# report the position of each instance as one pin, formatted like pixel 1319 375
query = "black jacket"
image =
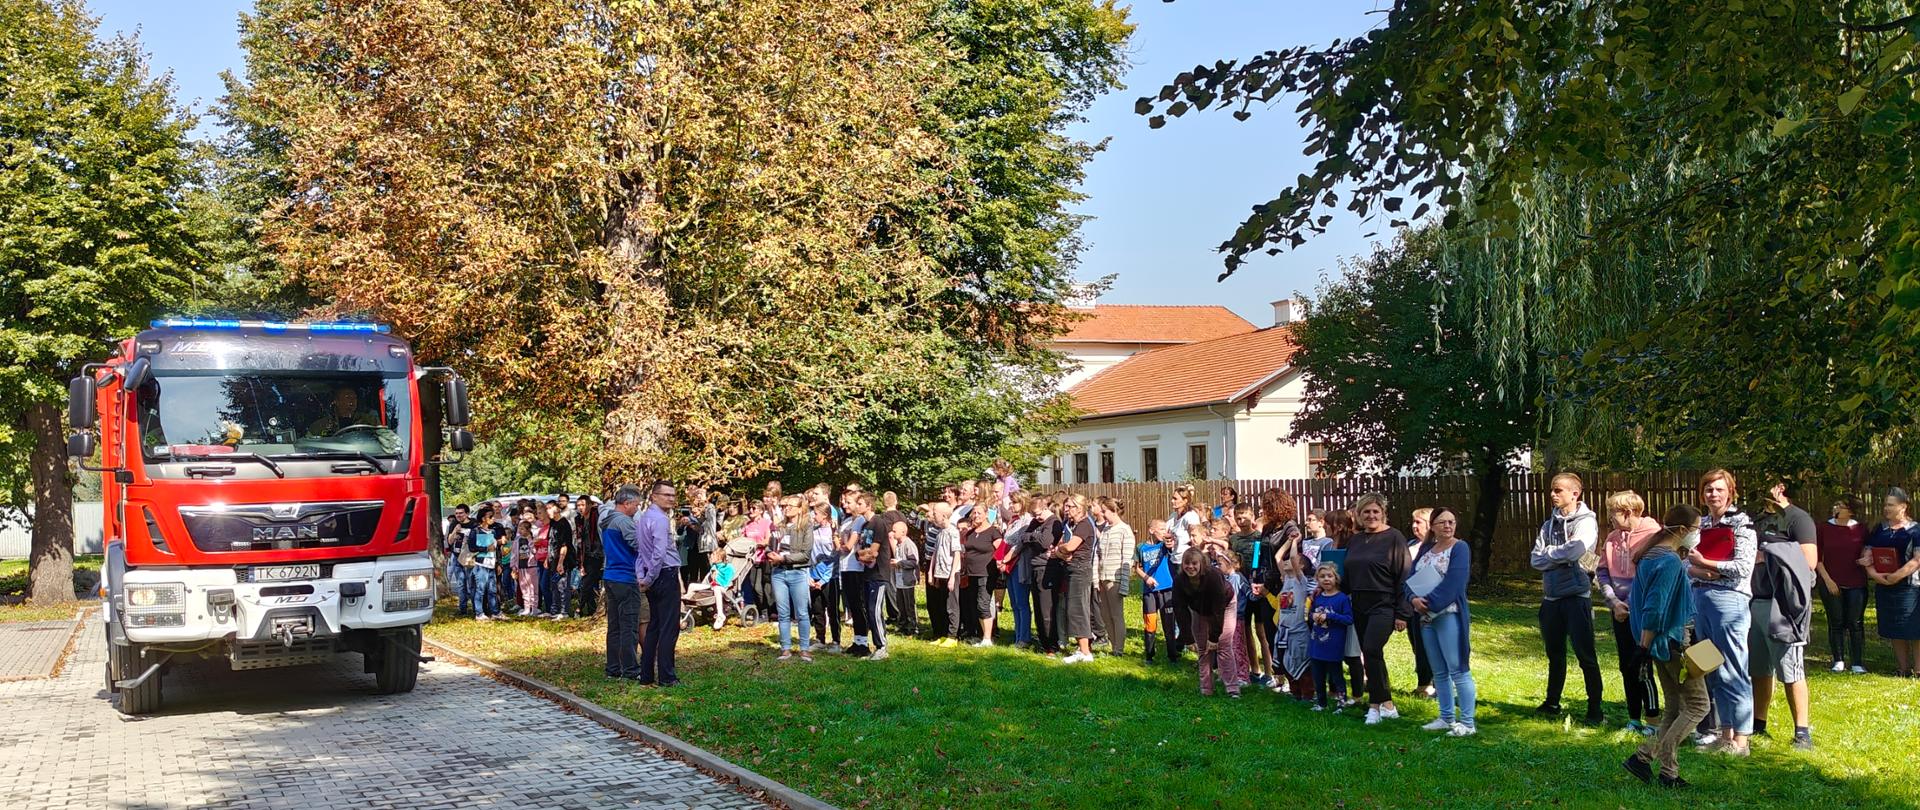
pixel 1200 600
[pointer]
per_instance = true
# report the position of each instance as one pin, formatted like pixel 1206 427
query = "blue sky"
pixel 1160 199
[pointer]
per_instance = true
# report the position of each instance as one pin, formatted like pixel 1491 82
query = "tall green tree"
pixel 1741 169
pixel 1395 381
pixel 719 239
pixel 94 239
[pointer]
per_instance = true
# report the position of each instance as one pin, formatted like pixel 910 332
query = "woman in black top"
pixel 1278 512
pixel 1377 564
pixel 1200 598
pixel 976 595
pixel 1075 549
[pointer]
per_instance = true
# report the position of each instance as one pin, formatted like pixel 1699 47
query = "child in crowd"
pixel 1153 565
pixel 1292 658
pixel 1331 614
pixel 1233 646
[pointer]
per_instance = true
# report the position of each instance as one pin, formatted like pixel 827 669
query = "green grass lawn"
pixel 13 589
pixel 940 727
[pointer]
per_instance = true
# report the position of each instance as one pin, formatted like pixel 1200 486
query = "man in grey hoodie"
pixel 1566 539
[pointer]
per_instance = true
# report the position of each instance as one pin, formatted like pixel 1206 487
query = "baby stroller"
pixel 697 603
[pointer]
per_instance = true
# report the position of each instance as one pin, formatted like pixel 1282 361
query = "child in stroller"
pixel 719 589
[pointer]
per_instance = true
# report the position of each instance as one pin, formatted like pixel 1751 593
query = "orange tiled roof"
pixel 1136 323
pixel 1208 372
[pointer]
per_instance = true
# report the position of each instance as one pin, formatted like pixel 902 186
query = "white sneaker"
pixel 1438 725
pixel 1858 670
pixel 1076 658
pixel 1392 713
pixel 1319 708
pixel 1839 666
pixel 1704 740
pixel 983 643
pixel 483 617
pixel 878 655
pixel 1462 730
pixel 1373 717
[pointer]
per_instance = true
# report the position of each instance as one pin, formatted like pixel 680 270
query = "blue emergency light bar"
pixel 271 326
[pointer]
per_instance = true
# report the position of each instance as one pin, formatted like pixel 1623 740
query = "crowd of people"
pixel 1710 606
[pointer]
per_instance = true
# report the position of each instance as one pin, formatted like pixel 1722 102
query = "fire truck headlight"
pixel 408 582
pixel 155 597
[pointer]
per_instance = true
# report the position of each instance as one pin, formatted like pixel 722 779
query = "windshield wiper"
pixel 352 455
pixel 239 456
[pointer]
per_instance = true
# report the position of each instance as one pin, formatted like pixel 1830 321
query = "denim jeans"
pixel 1445 637
pixel 481 584
pixel 463 584
pixel 1022 610
pixel 456 576
pixel 1721 616
pixel 790 591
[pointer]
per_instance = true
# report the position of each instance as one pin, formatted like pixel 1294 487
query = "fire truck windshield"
pixel 275 415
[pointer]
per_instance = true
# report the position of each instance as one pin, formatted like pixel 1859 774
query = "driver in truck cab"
pixel 345 413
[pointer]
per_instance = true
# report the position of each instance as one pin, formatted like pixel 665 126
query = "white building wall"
pixel 1087 359
pixel 1241 443
pixel 1262 447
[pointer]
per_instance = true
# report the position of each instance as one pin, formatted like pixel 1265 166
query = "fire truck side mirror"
pixel 80 445
pixel 82 412
pixel 458 412
pixel 460 440
pixel 138 373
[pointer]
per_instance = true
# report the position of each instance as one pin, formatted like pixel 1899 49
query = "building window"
pixel 1106 466
pixel 1149 463
pixel 1197 462
pixel 1316 459
pixel 1058 478
pixel 1079 468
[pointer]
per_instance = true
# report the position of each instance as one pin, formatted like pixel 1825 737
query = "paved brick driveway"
pixel 318 736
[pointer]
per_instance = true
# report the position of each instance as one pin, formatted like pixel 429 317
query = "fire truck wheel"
pixel 128 661
pixel 399 661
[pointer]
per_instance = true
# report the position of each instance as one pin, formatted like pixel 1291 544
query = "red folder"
pixel 1716 544
pixel 1885 560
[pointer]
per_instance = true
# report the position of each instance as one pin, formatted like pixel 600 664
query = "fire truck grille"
pixel 282 526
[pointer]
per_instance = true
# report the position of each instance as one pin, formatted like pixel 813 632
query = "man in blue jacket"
pixel 619 543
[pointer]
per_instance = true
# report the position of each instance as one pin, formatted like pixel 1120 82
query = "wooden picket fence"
pixel 1524 507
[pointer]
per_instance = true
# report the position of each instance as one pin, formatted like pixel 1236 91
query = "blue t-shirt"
pixel 1153 559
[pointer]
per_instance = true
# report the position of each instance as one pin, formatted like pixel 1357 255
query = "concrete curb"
pixel 694 755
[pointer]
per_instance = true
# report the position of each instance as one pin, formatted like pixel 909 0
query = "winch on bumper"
pixel 279 622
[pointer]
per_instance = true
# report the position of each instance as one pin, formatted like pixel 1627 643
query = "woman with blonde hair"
pixel 1631 534
pixel 1377 565
pixel 1184 520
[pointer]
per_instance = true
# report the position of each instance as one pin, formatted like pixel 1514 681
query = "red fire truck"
pixel 267 495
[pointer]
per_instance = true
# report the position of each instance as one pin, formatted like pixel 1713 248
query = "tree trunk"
pixel 1486 511
pixel 50 568
pixel 636 299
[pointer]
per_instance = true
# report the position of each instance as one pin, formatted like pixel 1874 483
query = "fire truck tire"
pixel 128 661
pixel 399 661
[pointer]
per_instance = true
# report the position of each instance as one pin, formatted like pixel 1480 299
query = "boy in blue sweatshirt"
pixel 1329 614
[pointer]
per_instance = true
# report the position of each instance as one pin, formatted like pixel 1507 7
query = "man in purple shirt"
pixel 656 568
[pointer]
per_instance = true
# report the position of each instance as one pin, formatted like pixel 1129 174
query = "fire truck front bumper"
pixel 270 603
